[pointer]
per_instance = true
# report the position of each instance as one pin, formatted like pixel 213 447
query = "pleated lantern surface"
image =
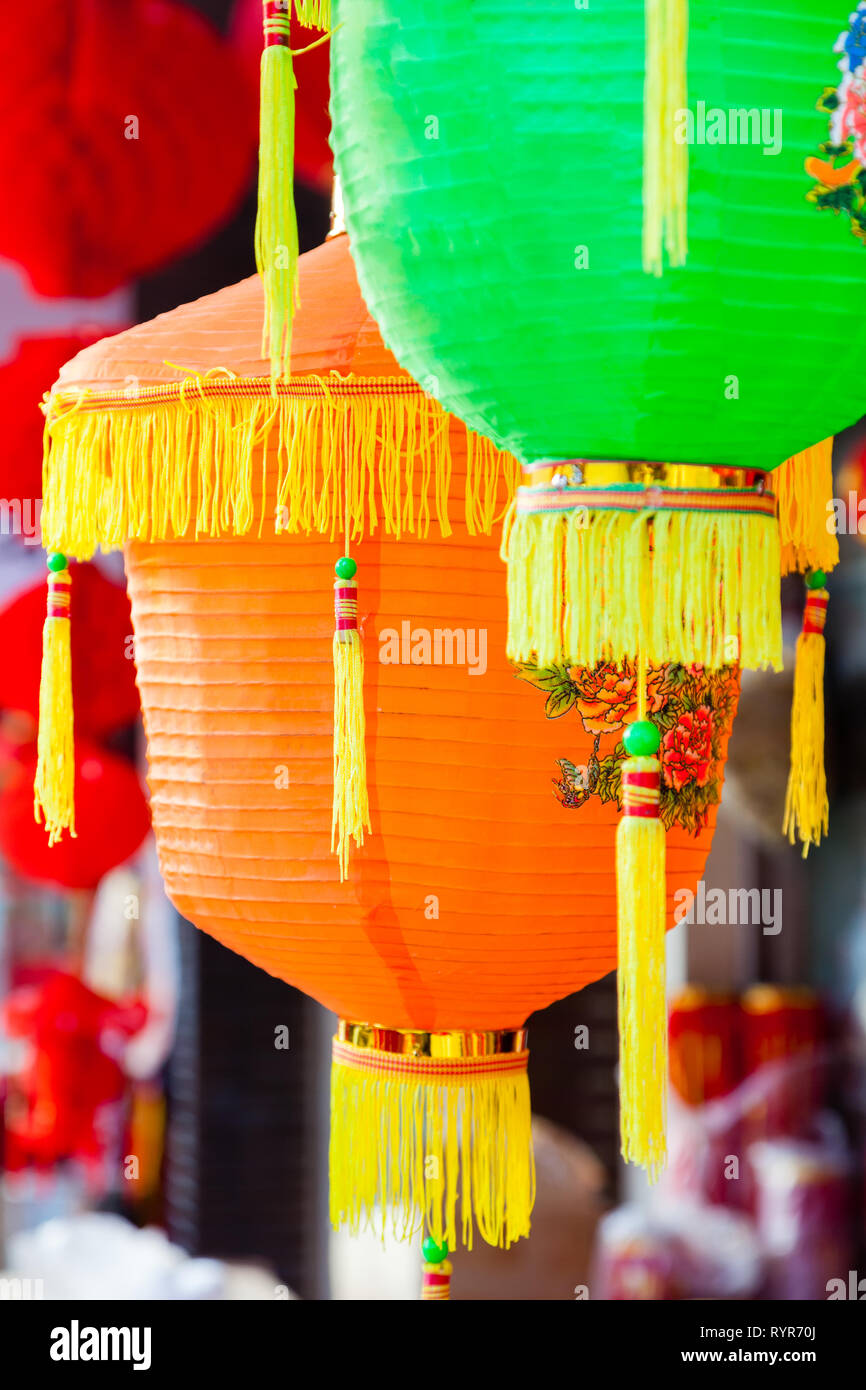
pixel 500 245
pixel 485 889
pixel 601 247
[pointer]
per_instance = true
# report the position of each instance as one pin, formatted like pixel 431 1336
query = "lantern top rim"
pixel 334 334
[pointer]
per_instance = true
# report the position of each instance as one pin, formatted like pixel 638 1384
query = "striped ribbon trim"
pixel 225 386
pixel 346 607
pixel 427 1068
pixel 640 794
pixel 618 499
pixel 815 612
pixel 436 1282
pixel 59 595
pixel 276 23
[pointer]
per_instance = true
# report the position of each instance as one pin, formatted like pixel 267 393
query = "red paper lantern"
pixel 314 162
pixel 112 818
pixel 23 380
pixel 103 671
pixel 128 134
pixel 53 1107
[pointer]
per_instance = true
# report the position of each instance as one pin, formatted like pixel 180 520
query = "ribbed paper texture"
pixel 491 160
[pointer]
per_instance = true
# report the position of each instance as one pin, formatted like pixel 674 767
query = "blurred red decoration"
pixel 24 379
pixel 850 457
pixel 104 692
pixel 128 135
pixel 783 1025
pixel 704 1044
pixel 55 1105
pixel 314 162
pixel 112 818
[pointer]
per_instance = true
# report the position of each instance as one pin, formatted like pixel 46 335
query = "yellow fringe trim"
pixel 351 809
pixel 314 14
pixel 192 460
pixel 406 1152
pixel 666 162
pixel 643 1033
pixel 807 808
pixel 492 478
pixel 704 586
pixel 807 521
pixel 54 787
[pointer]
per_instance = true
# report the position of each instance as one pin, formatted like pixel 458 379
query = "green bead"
pixel 815 579
pixel 57 562
pixel 641 739
pixel 345 567
pixel 433 1252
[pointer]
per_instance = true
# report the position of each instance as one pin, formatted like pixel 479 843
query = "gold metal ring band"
pixel 601 472
pixel 414 1042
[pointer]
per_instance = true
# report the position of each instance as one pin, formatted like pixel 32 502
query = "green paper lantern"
pixel 491 159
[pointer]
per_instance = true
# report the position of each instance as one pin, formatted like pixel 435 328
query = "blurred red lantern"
pixel 704 1044
pixel 23 380
pixel 103 671
pixel 137 107
pixel 54 1104
pixel 112 818
pixel 314 163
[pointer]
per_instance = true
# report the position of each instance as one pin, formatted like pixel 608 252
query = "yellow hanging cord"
pixel 54 786
pixel 666 166
pixel 351 810
pixel 641 921
pixel 807 809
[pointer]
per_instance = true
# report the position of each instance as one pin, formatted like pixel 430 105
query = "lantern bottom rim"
pixel 370 1045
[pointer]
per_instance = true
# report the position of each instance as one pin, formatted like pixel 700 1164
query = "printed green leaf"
pixel 560 701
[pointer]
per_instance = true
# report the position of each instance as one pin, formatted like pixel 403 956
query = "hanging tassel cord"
pixel 665 155
pixel 54 786
pixel 807 808
pixel 351 805
pixel 276 237
pixel 641 920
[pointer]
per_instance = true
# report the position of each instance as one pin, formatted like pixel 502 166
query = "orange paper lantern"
pixel 486 889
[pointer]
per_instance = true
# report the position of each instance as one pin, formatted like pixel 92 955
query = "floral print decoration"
pixel 840 173
pixel 693 709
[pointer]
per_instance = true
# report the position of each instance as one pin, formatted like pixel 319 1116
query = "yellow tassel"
pixel 666 163
pixel 641 917
pixel 807 810
pixel 351 810
pixel 807 521
pixel 54 788
pixel 577 580
pixel 276 224
pixel 443 1143
pixel 190 459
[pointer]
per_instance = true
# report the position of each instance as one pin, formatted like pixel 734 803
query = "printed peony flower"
pixel 849 119
pixel 607 696
pixel 687 749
